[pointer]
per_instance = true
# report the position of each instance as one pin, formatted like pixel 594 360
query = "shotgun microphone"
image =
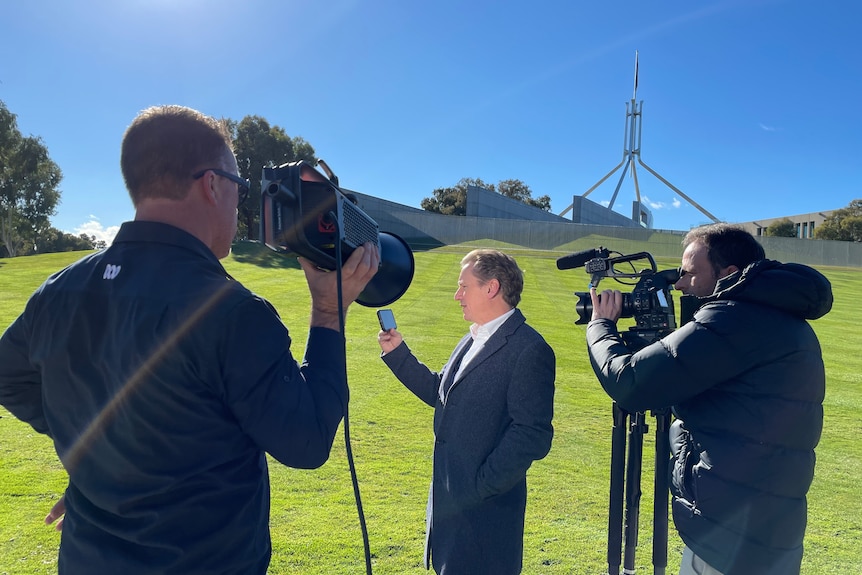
pixel 579 259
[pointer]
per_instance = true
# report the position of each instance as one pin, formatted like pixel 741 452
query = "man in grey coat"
pixel 493 402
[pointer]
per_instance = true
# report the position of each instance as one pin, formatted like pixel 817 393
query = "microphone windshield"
pixel 579 259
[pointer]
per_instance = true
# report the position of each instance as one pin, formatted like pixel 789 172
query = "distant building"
pixel 585 211
pixel 487 204
pixel 484 203
pixel 805 224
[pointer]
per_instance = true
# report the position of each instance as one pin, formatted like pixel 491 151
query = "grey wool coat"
pixel 495 422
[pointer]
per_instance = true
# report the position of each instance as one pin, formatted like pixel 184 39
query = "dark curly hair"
pixel 727 245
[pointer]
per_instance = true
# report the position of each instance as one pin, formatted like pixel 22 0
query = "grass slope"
pixel 315 527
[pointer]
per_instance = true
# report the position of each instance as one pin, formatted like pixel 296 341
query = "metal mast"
pixel 631 152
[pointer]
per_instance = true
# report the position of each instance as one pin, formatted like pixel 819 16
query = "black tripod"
pixel 626 488
pixel 626 477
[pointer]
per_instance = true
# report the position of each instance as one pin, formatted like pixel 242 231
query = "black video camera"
pixel 649 303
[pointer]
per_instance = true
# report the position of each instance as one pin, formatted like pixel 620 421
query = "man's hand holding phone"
pixel 388 337
pixel 387 319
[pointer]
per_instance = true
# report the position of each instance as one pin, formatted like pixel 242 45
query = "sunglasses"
pixel 243 185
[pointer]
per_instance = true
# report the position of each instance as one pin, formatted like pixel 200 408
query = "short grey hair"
pixel 489 264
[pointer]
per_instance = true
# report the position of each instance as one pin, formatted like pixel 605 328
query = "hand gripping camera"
pixel 649 303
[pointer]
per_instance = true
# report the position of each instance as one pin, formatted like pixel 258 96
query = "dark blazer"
pixel 179 379
pixel 496 421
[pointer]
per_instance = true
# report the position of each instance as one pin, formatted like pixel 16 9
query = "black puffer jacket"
pixel 746 381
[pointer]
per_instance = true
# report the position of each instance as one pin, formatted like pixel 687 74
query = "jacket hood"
pixel 793 288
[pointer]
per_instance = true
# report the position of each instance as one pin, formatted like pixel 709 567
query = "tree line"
pixel 30 189
pixel 453 201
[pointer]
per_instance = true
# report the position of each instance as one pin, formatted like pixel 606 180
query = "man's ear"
pixel 206 188
pixel 493 287
pixel 728 271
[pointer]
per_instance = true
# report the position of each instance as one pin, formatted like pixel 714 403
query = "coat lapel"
pixel 451 367
pixel 494 343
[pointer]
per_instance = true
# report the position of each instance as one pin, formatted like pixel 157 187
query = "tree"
pixel 518 190
pixel 28 186
pixel 844 224
pixel 53 240
pixel 446 201
pixel 453 201
pixel 258 145
pixel 783 228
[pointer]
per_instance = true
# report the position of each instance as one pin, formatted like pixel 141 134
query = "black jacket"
pixel 163 382
pixel 495 423
pixel 746 381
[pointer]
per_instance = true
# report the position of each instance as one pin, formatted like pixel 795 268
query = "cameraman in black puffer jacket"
pixel 746 381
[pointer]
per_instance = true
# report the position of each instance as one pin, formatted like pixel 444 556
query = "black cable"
pixel 347 446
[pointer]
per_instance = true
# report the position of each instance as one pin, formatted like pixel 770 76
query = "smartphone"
pixel 387 319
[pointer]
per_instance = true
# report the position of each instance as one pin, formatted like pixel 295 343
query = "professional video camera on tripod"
pixel 651 306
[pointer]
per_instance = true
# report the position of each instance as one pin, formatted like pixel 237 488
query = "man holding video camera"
pixel 493 405
pixel 745 380
pixel 163 382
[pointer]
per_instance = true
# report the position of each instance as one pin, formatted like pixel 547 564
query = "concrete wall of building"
pixel 426 230
pixel 484 203
pixel 642 214
pixel 586 211
pixel 813 252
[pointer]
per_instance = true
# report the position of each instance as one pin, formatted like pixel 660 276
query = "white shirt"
pixel 480 334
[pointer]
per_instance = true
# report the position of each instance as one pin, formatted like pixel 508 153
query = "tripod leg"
pixel 615 506
pixel 637 428
pixel 660 520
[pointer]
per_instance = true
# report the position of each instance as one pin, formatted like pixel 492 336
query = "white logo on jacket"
pixel 111 271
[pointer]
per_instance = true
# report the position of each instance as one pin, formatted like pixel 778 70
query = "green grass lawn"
pixel 315 525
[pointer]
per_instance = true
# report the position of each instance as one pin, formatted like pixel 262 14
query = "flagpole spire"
pixel 631 158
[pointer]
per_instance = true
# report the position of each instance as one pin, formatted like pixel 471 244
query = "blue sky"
pixel 750 107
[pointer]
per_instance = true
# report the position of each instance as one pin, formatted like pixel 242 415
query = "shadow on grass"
pixel 255 253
